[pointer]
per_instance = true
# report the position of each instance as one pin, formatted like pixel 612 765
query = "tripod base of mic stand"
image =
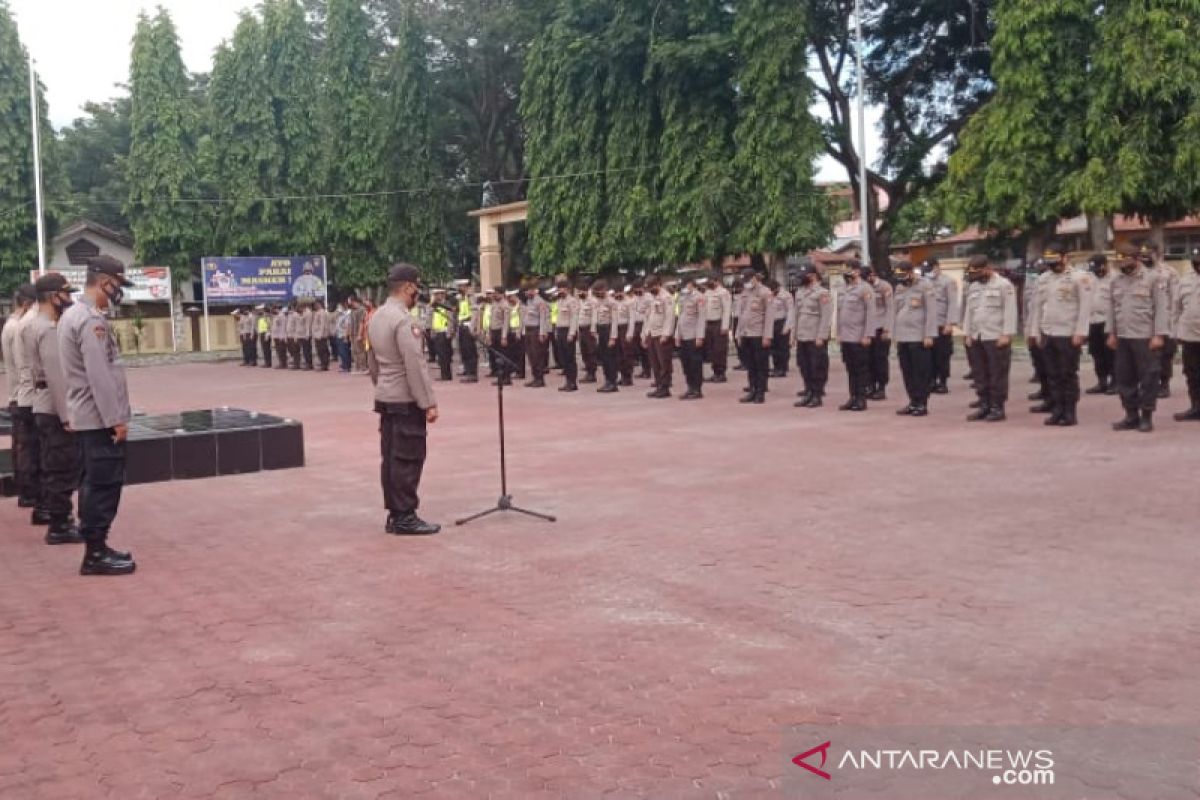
pixel 505 503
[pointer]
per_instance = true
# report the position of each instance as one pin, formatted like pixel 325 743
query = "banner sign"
pixel 254 280
pixel 150 284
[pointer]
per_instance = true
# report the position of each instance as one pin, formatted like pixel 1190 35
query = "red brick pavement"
pixel 718 572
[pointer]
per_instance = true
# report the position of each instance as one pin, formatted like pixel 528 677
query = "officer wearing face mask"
pixel 404 400
pixel 814 326
pixel 915 329
pixel 1187 331
pixel 1151 257
pixel 1062 312
pixel 1138 323
pixel 689 335
pixel 857 321
pixel 1102 357
pixel 990 323
pixel 98 410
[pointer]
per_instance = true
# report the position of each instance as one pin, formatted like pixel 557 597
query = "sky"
pixel 82 49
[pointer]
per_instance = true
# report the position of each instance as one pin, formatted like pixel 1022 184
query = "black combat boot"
pixel 858 403
pixel 1068 418
pixel 907 410
pixel 569 386
pixel 1038 395
pixel 1100 388
pixel 1164 390
pixel 626 382
pixel 718 379
pixel 920 410
pixel 409 524
pixel 1130 423
pixel 805 397
pixel 40 517
pixel 980 413
pixel 1044 407
pixel 816 401
pixel 940 387
pixel 1056 415
pixel 607 388
pixel 1191 415
pixel 1146 422
pixel 996 414
pixel 103 561
pixel 63 531
pixel 878 394
pixel 848 405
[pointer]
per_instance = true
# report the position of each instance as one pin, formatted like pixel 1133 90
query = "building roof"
pixel 81 226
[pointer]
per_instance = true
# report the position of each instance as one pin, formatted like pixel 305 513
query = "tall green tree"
pixel 779 208
pixel 94 149
pixel 246 156
pixel 416 232
pixel 353 223
pixel 161 172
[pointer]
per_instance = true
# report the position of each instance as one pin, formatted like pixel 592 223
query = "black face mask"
pixel 1129 268
pixel 64 302
pixel 907 280
pixel 1196 266
pixel 114 293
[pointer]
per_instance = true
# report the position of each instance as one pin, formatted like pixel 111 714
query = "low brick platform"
pixel 718 572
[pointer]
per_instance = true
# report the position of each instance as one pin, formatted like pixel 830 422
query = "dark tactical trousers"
pixel 1136 371
pixel 264 344
pixel 323 352
pixel 643 355
pixel 281 352
pixel 249 356
pixel 294 352
pixel 813 362
pixel 402 441
pixel 469 352
pixel 716 347
pixel 1191 370
pixel 858 369
pixel 758 363
pixel 626 353
pixel 516 352
pixel 1038 357
pixel 306 348
pixel 566 351
pixel 587 351
pixel 444 354
pixel 606 353
pixel 59 466
pixel 494 337
pixel 27 455
pixel 1167 357
pixel 1062 370
pixel 991 378
pixel 943 351
pixel 537 352
pixel 1102 357
pixel 880 352
pixel 974 365
pixel 916 365
pixel 781 347
pixel 100 490
pixel 692 359
pixel 662 363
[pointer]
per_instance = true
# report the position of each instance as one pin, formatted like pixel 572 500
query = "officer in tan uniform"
pixel 783 308
pixel 20 406
pixel 566 333
pixel 59 451
pixel 914 327
pixel 989 323
pixel 857 320
pixel 1102 357
pixel 946 297
pixel 306 334
pixel 587 333
pixel 658 336
pixel 98 411
pixel 604 310
pixel 814 327
pixel 1151 256
pixel 279 336
pixel 404 400
pixel 755 333
pixel 880 351
pixel 689 334
pixel 1139 319
pixel 497 322
pixel 321 329
pixel 243 319
pixel 641 312
pixel 626 351
pixel 1062 312
pixel 535 320
pixel 718 316
pixel 1187 332
pixel 295 330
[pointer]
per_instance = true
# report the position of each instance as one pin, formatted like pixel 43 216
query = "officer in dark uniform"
pixel 98 407
pixel 404 399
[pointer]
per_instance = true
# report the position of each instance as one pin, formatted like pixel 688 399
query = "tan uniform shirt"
pixel 8 345
pixel 294 325
pixel 624 311
pixel 536 314
pixel 1063 303
pixel 45 363
pixel 498 316
pixel 568 314
pixel 320 324
pixel 306 324
pixel 397 358
pixel 661 319
pixel 1138 306
pixel 279 326
pixel 692 310
pixel 885 305
pixel 1187 309
pixel 782 306
pixel 1170 277
pixel 945 297
pixel 719 306
pixel 754 322
pixel 857 319
pixel 604 310
pixel 587 312
pixel 914 317
pixel 641 308
pixel 991 310
pixel 24 374
pixel 97 394
pixel 814 314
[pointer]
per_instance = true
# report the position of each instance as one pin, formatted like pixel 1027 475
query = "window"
pixel 80 250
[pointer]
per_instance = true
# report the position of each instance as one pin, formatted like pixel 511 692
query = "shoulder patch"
pixel 417 332
pixel 99 331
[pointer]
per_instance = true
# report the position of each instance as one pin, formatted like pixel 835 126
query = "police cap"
pixel 404 273
pixel 52 282
pixel 107 265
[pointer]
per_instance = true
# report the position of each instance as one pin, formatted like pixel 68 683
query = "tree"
pixel 93 150
pixel 415 224
pixel 1018 153
pixel 161 173
pixel 779 209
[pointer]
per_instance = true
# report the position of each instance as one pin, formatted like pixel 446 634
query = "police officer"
pixel 640 313
pixel 914 327
pixel 404 400
pixel 1062 311
pixel 658 336
pixel 1187 332
pixel 306 334
pixel 689 334
pixel 754 331
pixel 497 330
pixel 566 332
pixel 262 331
pixel 1102 357
pixel 26 448
pixel 441 328
pixel 321 329
pixel 587 333
pixel 1035 353
pixel 1151 256
pixel 718 318
pixel 857 320
pixel 468 321
pixel 626 351
pixel 514 332
pixel 783 307
pixel 989 323
pixel 295 328
pixel 1138 322
pixel 243 318
pixel 59 453
pixel 880 351
pixel 536 322
pixel 945 295
pixel 98 410
pixel 279 335
pixel 814 325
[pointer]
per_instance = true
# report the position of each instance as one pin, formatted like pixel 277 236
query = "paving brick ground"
pixel 718 572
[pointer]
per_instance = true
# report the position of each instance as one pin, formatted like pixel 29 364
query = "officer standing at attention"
pixel 989 323
pixel 1138 321
pixel 605 313
pixel 1029 299
pixel 641 312
pixel 626 352
pixel 1152 257
pixel 404 400
pixel 755 334
pixel 468 318
pixel 915 328
pixel 945 296
pixel 243 318
pixel 689 335
pixel 566 331
pixel 279 336
pixel 320 333
pixel 295 325
pixel 1102 357
pixel 658 336
pixel 98 409
pixel 783 307
pixel 1062 312
pixel 587 333
pixel 262 331
pixel 880 350
pixel 59 451
pixel 306 334
pixel 718 317
pixel 497 328
pixel 814 324
pixel 1187 331
pixel 24 433
pixel 441 330
pixel 857 320
pixel 536 323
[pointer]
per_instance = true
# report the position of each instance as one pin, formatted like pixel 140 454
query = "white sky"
pixel 82 49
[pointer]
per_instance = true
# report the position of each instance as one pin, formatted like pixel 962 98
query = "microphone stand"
pixel 504 368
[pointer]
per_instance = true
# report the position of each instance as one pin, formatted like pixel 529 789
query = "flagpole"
pixel 864 186
pixel 37 168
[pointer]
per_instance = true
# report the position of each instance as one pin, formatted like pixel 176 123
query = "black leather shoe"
pixel 588 379
pixel 847 406
pixel 1191 415
pixel 607 388
pixel 568 387
pixel 906 411
pixel 652 393
pixel 536 383
pixel 1146 423
pixel 816 401
pixel 975 404
pixel 26 503
pixel 996 414
pixel 119 555
pixel 1042 408
pixel 1039 395
pixel 1099 388
pixel 920 411
pixel 1164 392
pixel 1068 419
pixel 759 399
pixel 645 375
pixel 64 533
pixel 878 394
pixel 626 382
pixel 739 368
pixel 105 562
pixel 941 388
pixel 1130 423
pixel 410 524
pixel 1054 419
pixel 1111 390
pixel 40 517
pixel 858 404
pixel 980 414
pixel 718 379
pixel 692 396
pixel 660 394
pixel 470 379
pixel 749 397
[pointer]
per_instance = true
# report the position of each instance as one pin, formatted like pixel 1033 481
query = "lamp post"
pixel 37 168
pixel 864 187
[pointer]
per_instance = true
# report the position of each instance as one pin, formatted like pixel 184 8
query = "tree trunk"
pixel 1158 236
pixel 1039 237
pixel 1098 226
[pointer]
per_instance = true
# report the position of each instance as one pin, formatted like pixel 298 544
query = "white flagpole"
pixel 37 168
pixel 864 186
